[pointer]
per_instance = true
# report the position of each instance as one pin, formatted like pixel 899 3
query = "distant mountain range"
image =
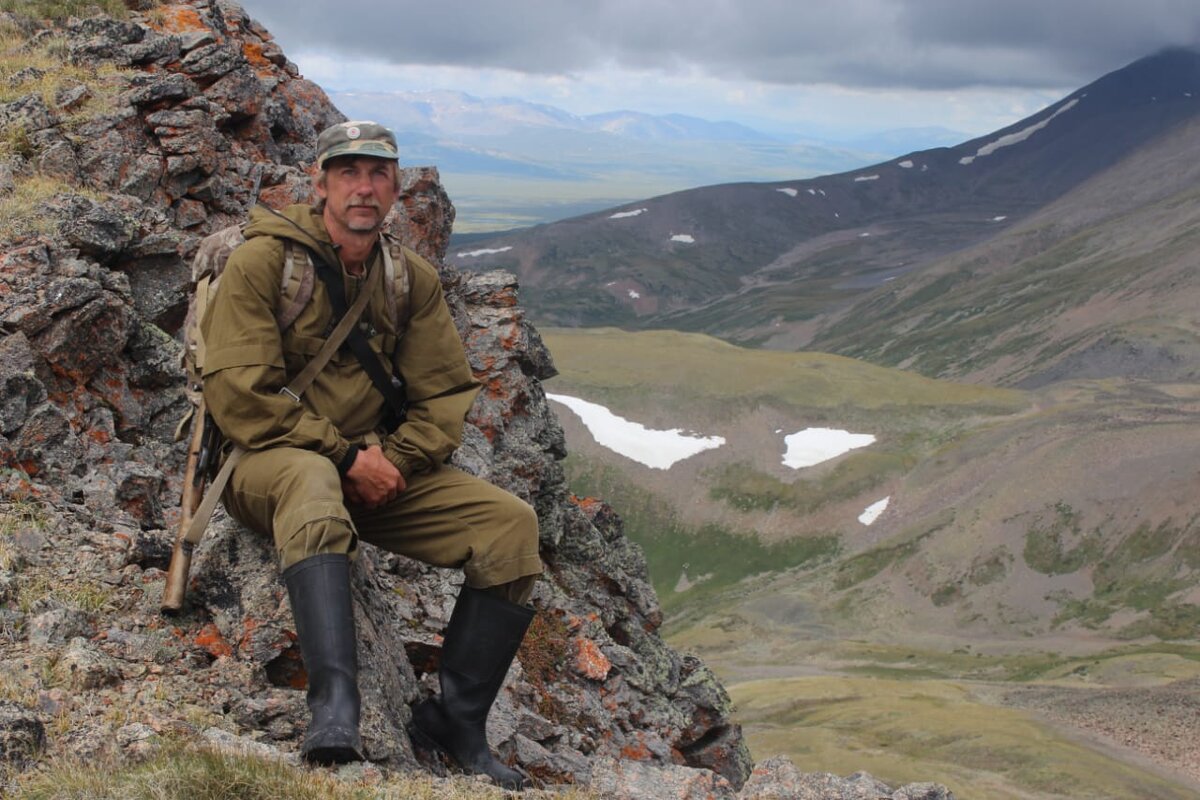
pixel 949 261
pixel 511 163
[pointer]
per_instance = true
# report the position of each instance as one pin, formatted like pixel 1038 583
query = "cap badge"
pixel 353 132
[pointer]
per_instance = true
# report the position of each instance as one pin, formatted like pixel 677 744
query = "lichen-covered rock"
pixel 778 778
pixel 22 734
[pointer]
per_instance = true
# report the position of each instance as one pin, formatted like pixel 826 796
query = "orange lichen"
pixel 211 640
pixel 253 51
pixel 637 751
pixel 586 503
pixel 178 19
pixel 589 661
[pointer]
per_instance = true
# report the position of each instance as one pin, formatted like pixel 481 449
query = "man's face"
pixel 358 192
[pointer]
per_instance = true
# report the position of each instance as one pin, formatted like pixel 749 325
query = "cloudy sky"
pixel 819 67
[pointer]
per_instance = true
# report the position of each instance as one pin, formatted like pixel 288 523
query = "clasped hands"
pixel 372 481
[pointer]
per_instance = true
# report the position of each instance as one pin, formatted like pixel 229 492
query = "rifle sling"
pixel 385 382
pixel 304 378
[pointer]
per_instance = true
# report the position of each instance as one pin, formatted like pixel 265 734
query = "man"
pixel 323 471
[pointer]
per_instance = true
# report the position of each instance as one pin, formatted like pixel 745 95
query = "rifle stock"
pixel 193 492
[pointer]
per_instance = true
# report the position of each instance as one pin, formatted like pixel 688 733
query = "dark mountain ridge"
pixel 761 263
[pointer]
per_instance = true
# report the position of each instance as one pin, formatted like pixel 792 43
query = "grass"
pixel 179 772
pixel 45 69
pixel 15 516
pixel 699 366
pixel 23 211
pixel 905 731
pixel 747 489
pixel 868 564
pixel 1048 543
pixel 40 591
pixel 711 557
pixel 60 10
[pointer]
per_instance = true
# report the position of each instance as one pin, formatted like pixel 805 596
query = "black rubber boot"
pixel 319 589
pixel 480 644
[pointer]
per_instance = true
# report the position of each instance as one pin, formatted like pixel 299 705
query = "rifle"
pixel 194 477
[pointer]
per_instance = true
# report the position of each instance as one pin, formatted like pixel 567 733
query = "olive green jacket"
pixel 248 359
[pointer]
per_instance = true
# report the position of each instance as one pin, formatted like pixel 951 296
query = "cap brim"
pixel 367 149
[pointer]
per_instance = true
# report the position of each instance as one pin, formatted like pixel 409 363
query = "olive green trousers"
pixel 444 517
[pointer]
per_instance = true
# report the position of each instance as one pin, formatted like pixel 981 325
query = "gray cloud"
pixel 935 44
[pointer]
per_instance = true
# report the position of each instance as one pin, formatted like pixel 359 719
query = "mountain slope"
pixel 1062 513
pixel 765 263
pixel 1100 283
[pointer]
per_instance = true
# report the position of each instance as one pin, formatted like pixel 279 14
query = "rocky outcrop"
pixel 207 116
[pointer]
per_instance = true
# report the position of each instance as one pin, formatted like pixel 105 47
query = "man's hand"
pixel 372 480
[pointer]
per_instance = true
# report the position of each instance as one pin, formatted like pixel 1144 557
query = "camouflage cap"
pixel 359 138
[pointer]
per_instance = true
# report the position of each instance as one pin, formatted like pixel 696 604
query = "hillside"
pixel 783 265
pixel 1046 537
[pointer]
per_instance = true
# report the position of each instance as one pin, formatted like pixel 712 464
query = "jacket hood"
pixel 301 223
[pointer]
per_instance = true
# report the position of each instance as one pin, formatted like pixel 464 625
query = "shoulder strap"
pixel 387 383
pixel 398 284
pixel 295 286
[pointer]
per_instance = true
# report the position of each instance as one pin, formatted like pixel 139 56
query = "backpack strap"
pixel 295 286
pixel 397 278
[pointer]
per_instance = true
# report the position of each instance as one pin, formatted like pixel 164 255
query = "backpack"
pixel 296 290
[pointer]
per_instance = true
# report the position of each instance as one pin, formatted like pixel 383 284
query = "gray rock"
pixel 83 666
pixel 778 778
pixel 97 230
pixel 636 780
pixel 22 735
pixel 59 626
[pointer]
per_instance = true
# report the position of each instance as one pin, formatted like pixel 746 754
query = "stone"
pixel 58 626
pixel 22 735
pixel 82 667
pixel 635 779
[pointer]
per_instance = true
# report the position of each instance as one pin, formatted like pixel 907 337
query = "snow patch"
pixel 625 214
pixel 686 238
pixel 654 448
pixel 999 219
pixel 811 446
pixel 484 252
pixel 789 192
pixel 862 178
pixel 1019 136
pixel 634 295
pixel 872 512
pixel 813 192
pixel 905 164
